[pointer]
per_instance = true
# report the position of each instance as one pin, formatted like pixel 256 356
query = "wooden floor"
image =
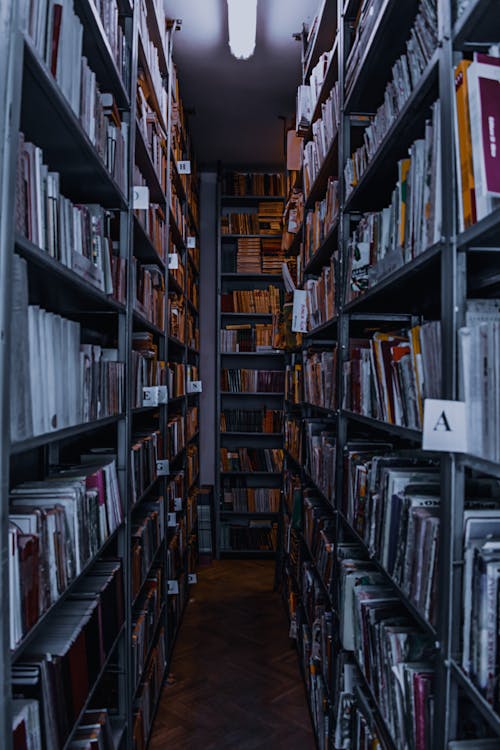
pixel 237 680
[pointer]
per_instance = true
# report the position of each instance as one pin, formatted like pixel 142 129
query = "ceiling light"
pixel 242 22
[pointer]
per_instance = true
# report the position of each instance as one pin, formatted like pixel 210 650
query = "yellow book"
pixel 465 144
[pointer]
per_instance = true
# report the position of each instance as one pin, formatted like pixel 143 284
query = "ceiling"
pixel 238 103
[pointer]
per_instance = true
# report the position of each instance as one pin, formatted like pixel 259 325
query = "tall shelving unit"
pixel 130 678
pixel 230 280
pixel 434 285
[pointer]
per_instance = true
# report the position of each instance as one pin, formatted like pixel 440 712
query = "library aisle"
pixel 236 679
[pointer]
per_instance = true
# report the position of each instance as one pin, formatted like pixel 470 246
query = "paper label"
pixel 192 578
pixel 191 242
pixel 444 426
pixel 173 587
pixel 172 520
pixel 299 313
pixel 162 394
pixel 163 468
pixel 184 167
pixel 140 197
pixel 173 261
pixel 150 396
pixel 178 503
pixel 194 386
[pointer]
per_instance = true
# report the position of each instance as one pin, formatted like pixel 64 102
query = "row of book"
pixel 147 370
pixel 245 337
pixel 320 220
pixel 78 236
pixel 322 295
pixel 148 282
pixel 252 381
pixel 150 51
pixel 176 436
pixel 293 438
pixel 385 240
pixel 321 454
pixel 476 108
pixel 46 348
pixel 145 622
pixel 152 220
pixel 293 216
pixel 254 183
pixel 319 370
pixel 392 653
pixel 252 420
pixel 56 526
pixel 179 375
pixel 251 499
pixel 407 73
pixel 252 300
pixel 319 522
pixel 177 317
pixel 57 34
pixel 268 220
pixel 294 392
pixel 149 693
pixel 324 131
pixel 146 450
pixel 254 535
pixel 148 528
pixel 389 376
pixel 192 331
pixel 479 368
pixel 192 422
pixel 192 464
pixel 251 459
pixel 154 137
pixel 63 663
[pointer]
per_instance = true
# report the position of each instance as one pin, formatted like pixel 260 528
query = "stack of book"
pixel 254 535
pixel 147 534
pixel 192 463
pixel 270 217
pixel 176 436
pixel 293 438
pixel 145 621
pixel 389 376
pixel 252 300
pixel 147 369
pixel 320 221
pixel 149 284
pixel 324 130
pixel 273 255
pixel 294 383
pixel 240 223
pixel 176 316
pixel 248 256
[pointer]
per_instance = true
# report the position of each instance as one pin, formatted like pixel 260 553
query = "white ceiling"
pixel 238 103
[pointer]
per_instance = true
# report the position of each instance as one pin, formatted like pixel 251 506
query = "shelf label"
pixel 162 394
pixel 150 395
pixel 191 242
pixel 173 261
pixel 299 312
pixel 192 578
pixel 184 167
pixel 140 197
pixel 173 587
pixel 194 386
pixel 178 503
pixel 163 468
pixel 172 520
pixel 444 426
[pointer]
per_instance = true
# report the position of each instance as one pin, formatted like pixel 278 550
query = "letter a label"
pixel 444 426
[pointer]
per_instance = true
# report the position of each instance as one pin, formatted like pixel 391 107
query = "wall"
pixel 208 333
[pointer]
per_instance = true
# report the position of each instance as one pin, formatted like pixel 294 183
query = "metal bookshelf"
pixel 38 107
pixel 433 285
pixel 256 360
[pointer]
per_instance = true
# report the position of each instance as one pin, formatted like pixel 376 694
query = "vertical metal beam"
pixel 11 64
pixel 451 497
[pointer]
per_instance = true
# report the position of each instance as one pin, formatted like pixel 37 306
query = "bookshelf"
pixel 335 524
pixel 103 447
pixel 250 377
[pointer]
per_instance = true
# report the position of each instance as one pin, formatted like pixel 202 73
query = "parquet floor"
pixel 237 680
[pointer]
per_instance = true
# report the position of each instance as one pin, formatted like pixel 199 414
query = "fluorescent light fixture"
pixel 242 22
